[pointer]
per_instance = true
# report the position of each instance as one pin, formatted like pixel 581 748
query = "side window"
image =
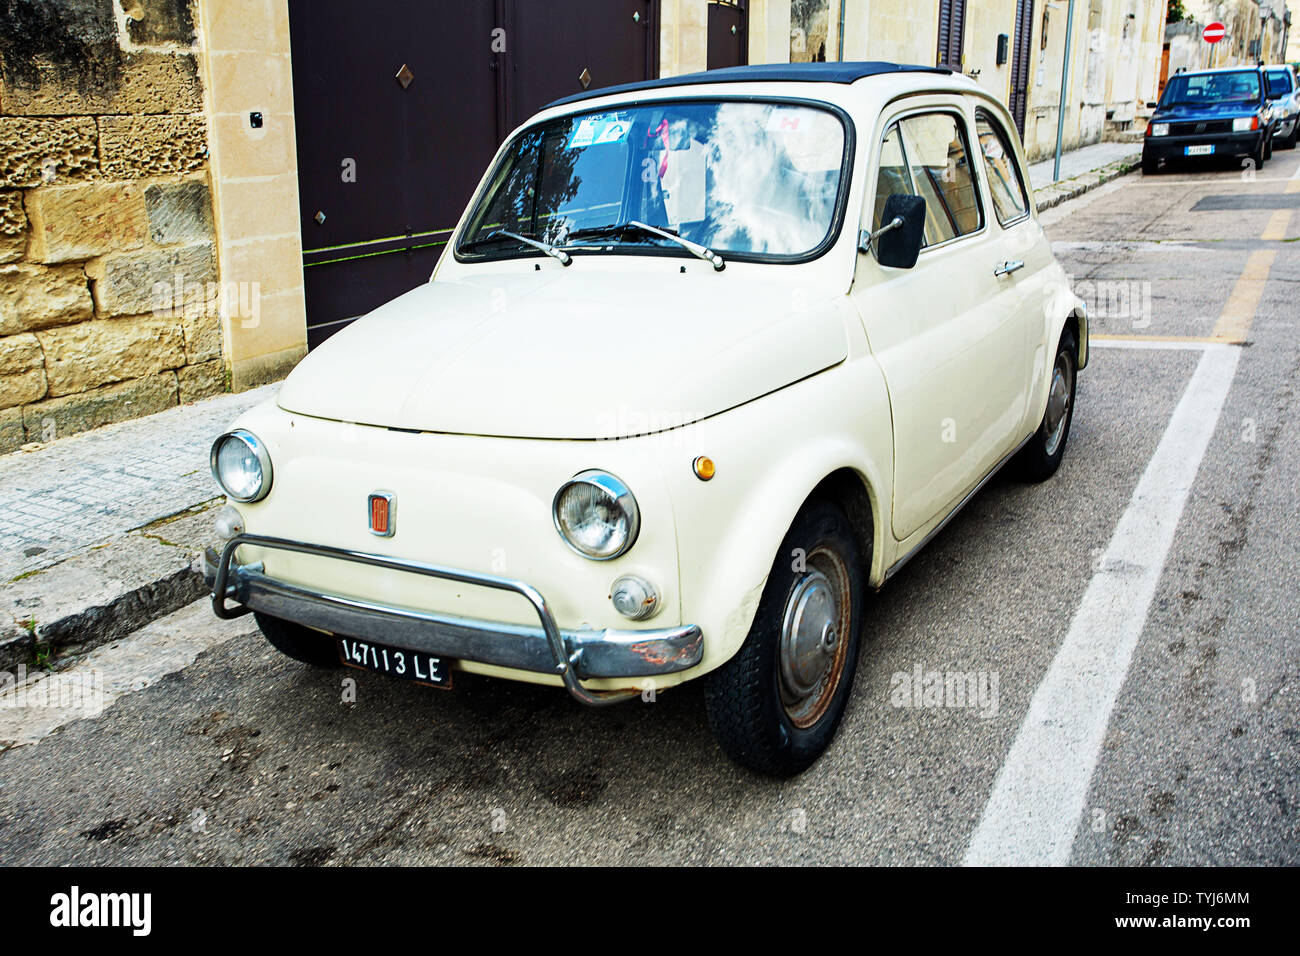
pixel 937 156
pixel 927 156
pixel 893 179
pixel 1005 185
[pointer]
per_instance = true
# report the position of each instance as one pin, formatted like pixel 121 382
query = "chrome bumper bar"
pixel 573 655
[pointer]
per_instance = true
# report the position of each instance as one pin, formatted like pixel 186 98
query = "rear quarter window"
pixel 1006 186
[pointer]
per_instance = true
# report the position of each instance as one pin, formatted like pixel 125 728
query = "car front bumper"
pixel 574 655
pixel 1225 144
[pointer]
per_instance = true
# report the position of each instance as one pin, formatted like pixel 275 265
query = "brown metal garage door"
pixel 399 107
pixel 728 42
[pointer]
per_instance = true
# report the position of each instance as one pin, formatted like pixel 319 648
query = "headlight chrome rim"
pixel 623 499
pixel 254 444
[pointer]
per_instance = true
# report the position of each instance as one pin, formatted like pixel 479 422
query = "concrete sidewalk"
pixel 70 495
pixel 1082 170
pixel 99 532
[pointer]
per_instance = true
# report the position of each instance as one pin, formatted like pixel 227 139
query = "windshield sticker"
pixel 786 120
pixel 596 132
pixel 684 185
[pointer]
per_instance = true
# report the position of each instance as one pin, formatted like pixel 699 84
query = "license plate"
pixel 1199 150
pixel 395 662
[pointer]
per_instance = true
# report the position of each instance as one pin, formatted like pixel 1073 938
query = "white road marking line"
pixel 1038 797
pixel 1154 345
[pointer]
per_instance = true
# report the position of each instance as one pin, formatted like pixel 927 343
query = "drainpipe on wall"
pixel 1065 81
pixel 840 54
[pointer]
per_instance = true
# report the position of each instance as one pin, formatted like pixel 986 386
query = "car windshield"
pixel 1236 88
pixel 741 178
pixel 1279 83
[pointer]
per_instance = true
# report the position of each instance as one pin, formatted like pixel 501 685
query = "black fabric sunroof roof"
pixel 765 72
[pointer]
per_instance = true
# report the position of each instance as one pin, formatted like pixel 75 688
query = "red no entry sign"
pixel 1215 32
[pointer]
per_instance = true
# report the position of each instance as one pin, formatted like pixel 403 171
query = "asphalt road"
pixel 241 756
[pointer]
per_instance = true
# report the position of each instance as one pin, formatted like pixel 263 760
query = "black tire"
pixel 1289 141
pixel 1150 164
pixel 1268 145
pixel 1039 459
pixel 748 703
pixel 1260 155
pixel 300 643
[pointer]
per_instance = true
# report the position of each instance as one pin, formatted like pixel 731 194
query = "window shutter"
pixel 952 27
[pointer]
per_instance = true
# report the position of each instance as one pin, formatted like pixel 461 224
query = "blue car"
pixel 1222 113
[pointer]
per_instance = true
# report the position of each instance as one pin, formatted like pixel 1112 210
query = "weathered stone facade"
pixel 105 212
pixel 1114 54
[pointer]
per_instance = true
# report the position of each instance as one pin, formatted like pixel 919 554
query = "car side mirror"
pixel 897 243
pixel 1152 105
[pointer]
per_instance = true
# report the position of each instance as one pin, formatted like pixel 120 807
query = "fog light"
pixel 634 597
pixel 229 523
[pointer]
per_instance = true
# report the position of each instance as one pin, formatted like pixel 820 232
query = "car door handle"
pixel 1008 267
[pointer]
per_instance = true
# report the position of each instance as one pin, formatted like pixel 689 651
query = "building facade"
pixel 1257 31
pixel 1014 48
pixel 149 245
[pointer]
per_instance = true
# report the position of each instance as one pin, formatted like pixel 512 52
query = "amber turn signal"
pixel 704 468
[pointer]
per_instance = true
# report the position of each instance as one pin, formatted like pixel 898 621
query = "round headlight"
pixel 241 466
pixel 596 515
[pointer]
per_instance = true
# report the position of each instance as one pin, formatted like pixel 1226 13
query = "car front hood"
pixel 559 354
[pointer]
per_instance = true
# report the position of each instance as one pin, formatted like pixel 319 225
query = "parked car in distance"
pixel 1221 113
pixel 1284 94
pixel 705 360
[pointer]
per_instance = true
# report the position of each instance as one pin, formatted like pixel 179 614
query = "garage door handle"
pixel 1008 267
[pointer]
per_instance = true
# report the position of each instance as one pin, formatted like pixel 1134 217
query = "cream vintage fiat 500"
pixel 705 359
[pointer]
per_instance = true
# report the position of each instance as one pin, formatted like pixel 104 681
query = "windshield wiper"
pixel 553 251
pixel 694 248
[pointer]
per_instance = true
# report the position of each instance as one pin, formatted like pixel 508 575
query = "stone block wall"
pixel 108 268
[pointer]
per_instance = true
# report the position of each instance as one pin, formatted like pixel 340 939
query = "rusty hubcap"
pixel 814 638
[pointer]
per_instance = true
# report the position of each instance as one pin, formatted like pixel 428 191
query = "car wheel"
pixel 1260 155
pixel 300 643
pixel 1268 145
pixel 775 706
pixel 1042 456
pixel 1289 141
